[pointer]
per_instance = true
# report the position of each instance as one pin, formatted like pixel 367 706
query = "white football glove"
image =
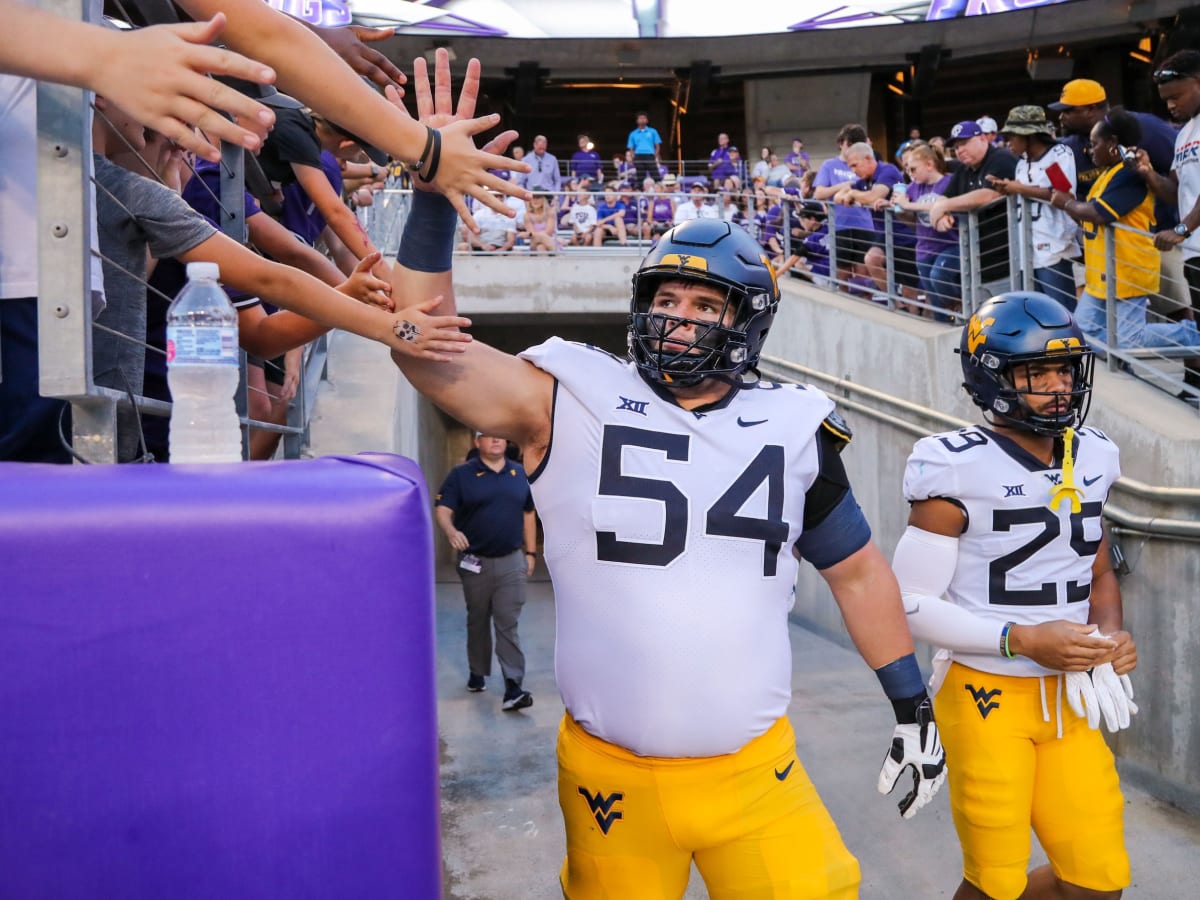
pixel 1101 693
pixel 917 747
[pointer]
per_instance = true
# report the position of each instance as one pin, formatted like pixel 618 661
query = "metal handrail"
pixel 65 310
pixel 1133 522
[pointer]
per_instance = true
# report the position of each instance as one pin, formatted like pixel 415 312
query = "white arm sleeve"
pixel 924 564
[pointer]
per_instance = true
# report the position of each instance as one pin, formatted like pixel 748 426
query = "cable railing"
pixel 921 421
pixel 685 171
pixel 644 216
pixel 987 251
pixel 76 348
pixel 1150 346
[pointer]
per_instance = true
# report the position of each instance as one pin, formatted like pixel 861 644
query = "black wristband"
pixel 429 171
pixel 907 710
pixel 531 553
pixel 424 159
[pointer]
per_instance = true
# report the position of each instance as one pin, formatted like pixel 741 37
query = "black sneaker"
pixel 514 697
pixel 475 683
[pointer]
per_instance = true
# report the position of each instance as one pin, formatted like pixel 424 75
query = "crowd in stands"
pixel 1099 168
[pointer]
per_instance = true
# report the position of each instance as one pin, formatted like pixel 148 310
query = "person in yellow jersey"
pixel 1119 195
pixel 678 492
pixel 1005 568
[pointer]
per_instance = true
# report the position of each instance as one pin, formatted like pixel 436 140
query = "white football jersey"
pixel 1055 234
pixel 1019 560
pixel 669 540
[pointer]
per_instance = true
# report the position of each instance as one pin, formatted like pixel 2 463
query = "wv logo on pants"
pixel 983 699
pixel 602 807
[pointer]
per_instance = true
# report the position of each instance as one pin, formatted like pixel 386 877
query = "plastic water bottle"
pixel 899 192
pixel 202 370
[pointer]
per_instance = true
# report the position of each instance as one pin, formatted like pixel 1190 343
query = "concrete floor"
pixel 502 834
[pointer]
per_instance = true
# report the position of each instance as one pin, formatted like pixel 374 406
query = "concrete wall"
pixel 1160 443
pixel 521 301
pixel 812 107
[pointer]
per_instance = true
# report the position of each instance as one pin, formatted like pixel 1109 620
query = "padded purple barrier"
pixel 218 682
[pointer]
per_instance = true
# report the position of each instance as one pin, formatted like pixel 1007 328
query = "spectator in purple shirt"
pixel 854 229
pixel 926 166
pixel 718 160
pixel 586 161
pixel 873 189
pixel 810 242
pixel 632 219
pixel 798 161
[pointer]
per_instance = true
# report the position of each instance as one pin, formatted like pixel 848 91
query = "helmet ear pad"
pixel 713 253
pixel 1016 329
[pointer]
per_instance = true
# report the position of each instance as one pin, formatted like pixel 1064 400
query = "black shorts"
pixel 905 265
pixel 273 369
pixel 852 245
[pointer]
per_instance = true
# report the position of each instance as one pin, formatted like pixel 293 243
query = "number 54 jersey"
pixel 1020 558
pixel 669 540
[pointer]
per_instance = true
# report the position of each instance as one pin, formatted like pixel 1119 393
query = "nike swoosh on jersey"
pixel 1088 482
pixel 746 424
pixel 782 776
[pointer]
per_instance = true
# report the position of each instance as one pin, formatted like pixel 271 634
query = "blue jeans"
pixel 28 421
pixel 944 283
pixel 1057 281
pixel 1132 328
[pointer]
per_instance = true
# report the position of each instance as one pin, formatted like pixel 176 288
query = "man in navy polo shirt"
pixel 485 509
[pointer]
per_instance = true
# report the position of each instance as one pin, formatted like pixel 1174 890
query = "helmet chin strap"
pixel 1067 490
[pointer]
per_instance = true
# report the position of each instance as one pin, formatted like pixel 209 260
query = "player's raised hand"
pixel 461 168
pixel 916 748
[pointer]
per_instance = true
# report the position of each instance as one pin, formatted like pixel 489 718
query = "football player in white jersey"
pixel 678 492
pixel 1006 527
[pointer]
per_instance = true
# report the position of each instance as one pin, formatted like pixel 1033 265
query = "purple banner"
pixel 957 9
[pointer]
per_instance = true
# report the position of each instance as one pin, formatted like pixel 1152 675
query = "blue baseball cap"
pixel 964 130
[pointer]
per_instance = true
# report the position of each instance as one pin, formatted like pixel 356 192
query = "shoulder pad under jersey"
pixel 838 428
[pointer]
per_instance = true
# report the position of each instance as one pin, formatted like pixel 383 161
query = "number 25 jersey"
pixel 669 540
pixel 1019 558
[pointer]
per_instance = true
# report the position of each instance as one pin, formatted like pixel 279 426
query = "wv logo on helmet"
pixel 602 807
pixel 983 699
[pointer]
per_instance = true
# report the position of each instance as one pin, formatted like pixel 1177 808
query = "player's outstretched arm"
pixel 867 593
pixel 490 391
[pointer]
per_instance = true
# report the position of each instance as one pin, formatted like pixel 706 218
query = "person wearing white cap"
pixel 989 128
